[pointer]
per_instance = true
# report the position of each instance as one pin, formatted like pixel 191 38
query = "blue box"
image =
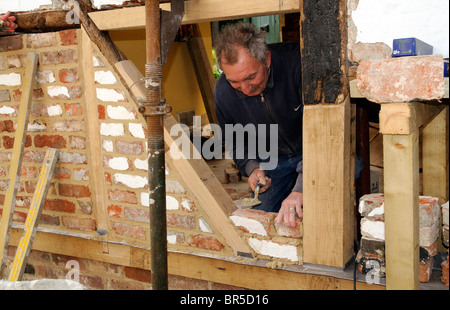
pixel 410 47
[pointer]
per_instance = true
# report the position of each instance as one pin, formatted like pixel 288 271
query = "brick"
pixel 114 211
pixel 4 95
pixel 444 276
pixel 179 220
pixel 128 230
pixel 77 142
pixel 68 37
pixel 76 223
pixel 39 109
pixel 428 235
pixel 16 61
pixel 137 274
pixel 370 51
pixel 372 248
pixel 45 76
pixel 367 203
pixel 33 156
pixel 28 172
pixel 53 141
pixel 132 148
pixel 60 205
pixel 8 142
pixel 61 173
pixel 11 43
pixel 429 211
pixel 68 75
pixel 425 269
pixel 48 219
pixel 7 125
pixel 402 79
pixel 274 249
pixel 290 232
pixel 72 158
pixel 205 242
pixel 72 125
pixel 73 109
pixel 58 57
pixel 174 237
pixel 372 229
pixel 445 214
pixel 38 40
pixel 80 174
pixel 73 190
pixel 123 196
pixel 252 221
pixel 138 215
pixel 101 111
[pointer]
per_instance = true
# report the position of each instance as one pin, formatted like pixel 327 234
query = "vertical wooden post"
pixel 328 219
pixel 401 194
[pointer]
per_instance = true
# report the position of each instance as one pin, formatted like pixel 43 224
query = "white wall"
pixel 385 20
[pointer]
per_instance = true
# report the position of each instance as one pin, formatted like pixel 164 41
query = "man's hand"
pixel 259 176
pixel 290 208
pixel 7 21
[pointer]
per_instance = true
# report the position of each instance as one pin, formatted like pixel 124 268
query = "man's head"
pixel 244 57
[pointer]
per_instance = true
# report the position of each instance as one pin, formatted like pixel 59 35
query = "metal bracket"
pixel 154 110
pixel 170 23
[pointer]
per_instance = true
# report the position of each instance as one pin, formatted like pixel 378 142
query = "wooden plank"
pixel 132 77
pixel 216 202
pixel 401 204
pixel 203 72
pixel 17 155
pixel 196 12
pixel 328 220
pixel 93 127
pixel 190 266
pixel 34 214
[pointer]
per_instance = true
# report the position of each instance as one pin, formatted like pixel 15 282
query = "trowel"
pixel 251 202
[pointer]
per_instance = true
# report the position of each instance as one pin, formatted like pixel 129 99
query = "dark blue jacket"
pixel 280 103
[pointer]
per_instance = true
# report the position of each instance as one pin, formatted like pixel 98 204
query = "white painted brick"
pixel 5 110
pixel 204 226
pixel 274 249
pixel 11 79
pixel 171 203
pixel 144 199
pixel 136 130
pixel 58 92
pixel 118 163
pixel 445 214
pixel 104 77
pixel 186 204
pixel 54 110
pixel 250 225
pixel 372 229
pixel 36 127
pixel 45 76
pixel 141 164
pixel 133 181
pixel 428 234
pixel 108 145
pixel 97 62
pixel 109 95
pixel 174 187
pixel 111 129
pixel 119 113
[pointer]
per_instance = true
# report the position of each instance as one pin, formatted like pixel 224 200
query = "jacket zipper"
pixel 263 100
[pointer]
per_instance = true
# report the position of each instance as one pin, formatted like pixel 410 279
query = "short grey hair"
pixel 244 35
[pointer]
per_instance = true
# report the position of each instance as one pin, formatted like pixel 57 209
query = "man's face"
pixel 247 75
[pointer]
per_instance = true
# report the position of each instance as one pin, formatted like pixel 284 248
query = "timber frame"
pixel 329 222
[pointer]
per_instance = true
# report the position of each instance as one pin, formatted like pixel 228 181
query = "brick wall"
pixel 58 119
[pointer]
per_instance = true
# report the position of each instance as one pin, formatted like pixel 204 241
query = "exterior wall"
pixel 58 119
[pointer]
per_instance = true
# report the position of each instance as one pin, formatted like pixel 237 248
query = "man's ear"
pixel 269 59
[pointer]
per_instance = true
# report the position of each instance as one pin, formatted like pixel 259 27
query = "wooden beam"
pixel 17 154
pixel 203 72
pixel 215 201
pixel 196 12
pixel 328 221
pixel 227 272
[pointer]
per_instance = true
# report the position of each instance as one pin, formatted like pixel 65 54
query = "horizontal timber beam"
pixel 189 265
pixel 196 11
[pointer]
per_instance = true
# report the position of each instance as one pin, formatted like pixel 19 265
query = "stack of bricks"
pixel 59 119
pixel 371 256
pixel 269 239
pixel 445 242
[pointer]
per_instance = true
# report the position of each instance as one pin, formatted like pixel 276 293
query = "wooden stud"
pixel 17 155
pixel 34 213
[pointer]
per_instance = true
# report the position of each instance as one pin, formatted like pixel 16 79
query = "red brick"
pixel 58 57
pixel 123 196
pixel 60 205
pixel 73 190
pixel 92 282
pixel 205 242
pixel 48 219
pixel 68 75
pixel 61 173
pixel 77 142
pixel 38 40
pixel 128 230
pixel 74 109
pixel 28 172
pixel 11 43
pixel 139 215
pixel 68 37
pixel 185 221
pixel 425 269
pixel 114 211
pixel 8 142
pixel 138 274
pixel 444 277
pixel 133 148
pixel 248 219
pixel 75 92
pixel 402 79
pixel 54 141
pixel 7 125
pixel 83 224
pixel 101 112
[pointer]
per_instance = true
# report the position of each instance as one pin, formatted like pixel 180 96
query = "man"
pixel 261 85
